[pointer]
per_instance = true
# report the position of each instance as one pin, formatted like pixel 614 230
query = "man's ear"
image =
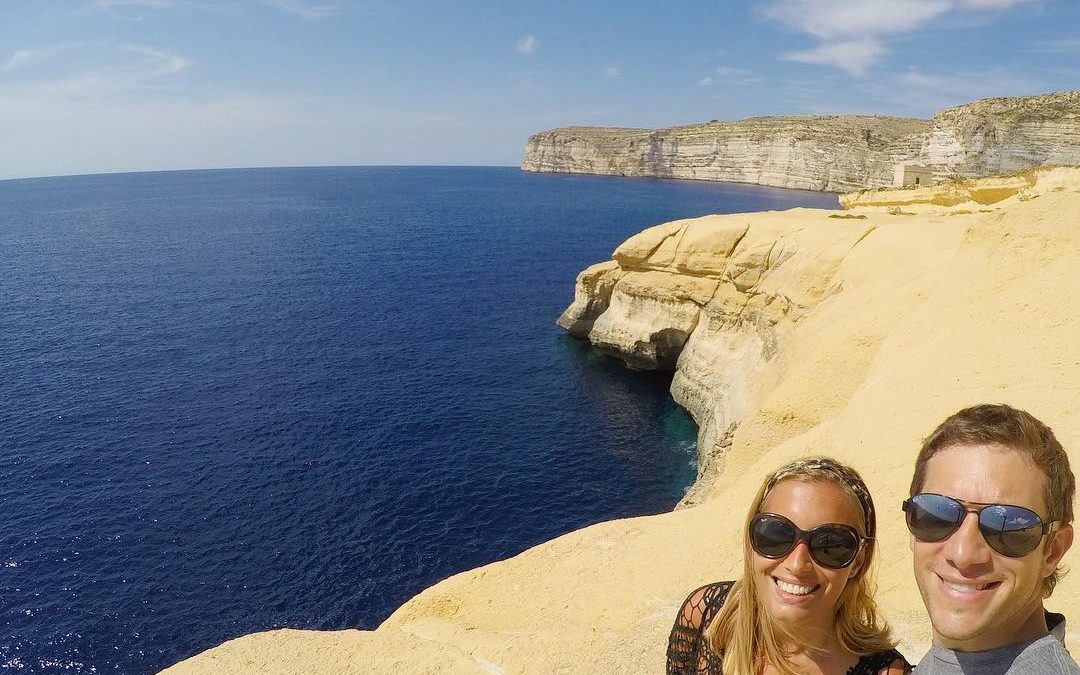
pixel 1060 542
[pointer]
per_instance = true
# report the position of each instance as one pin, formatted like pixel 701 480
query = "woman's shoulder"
pixel 702 604
pixel 888 662
pixel 687 652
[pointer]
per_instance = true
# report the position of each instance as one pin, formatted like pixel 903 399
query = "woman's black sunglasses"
pixel 1012 531
pixel 833 545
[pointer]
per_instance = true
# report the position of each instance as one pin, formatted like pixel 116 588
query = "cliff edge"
pixel 829 153
pixel 846 333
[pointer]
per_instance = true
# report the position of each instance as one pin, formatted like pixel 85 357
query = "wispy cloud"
pixel 993 4
pixel 147 4
pixel 728 71
pixel 25 58
pixel 853 56
pixel 853 36
pixel 530 85
pixel 838 19
pixel 612 72
pixel 1062 46
pixel 527 45
pixel 307 11
pixel 922 93
pixel 728 75
pixel 93 70
pixel 732 75
pixel 156 63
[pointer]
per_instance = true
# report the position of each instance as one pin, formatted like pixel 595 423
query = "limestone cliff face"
pixel 1003 135
pixel 715 299
pixel 837 153
pixel 711 298
pixel 831 153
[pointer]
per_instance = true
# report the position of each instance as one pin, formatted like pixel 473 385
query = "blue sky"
pixel 91 86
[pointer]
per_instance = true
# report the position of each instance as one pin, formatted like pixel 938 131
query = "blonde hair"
pixel 746 636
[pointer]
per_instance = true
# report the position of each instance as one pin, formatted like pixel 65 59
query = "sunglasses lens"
pixel 933 517
pixel 834 547
pixel 772 536
pixel 1011 530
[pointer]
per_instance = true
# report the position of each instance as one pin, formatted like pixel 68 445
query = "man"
pixel 990 517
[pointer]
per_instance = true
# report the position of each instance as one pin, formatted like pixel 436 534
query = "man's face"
pixel 977 598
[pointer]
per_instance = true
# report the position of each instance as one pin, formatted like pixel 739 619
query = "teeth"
pixel 965 588
pixel 794 589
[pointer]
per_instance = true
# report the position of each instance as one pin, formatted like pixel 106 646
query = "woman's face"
pixel 795 589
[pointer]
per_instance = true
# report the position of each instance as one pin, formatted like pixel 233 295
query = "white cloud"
pixel 299 8
pixel 914 78
pixel 964 87
pixel 1062 46
pixel 992 4
pixel 844 20
pixel 527 44
pixel 311 12
pixel 612 72
pixel 854 57
pixel 95 71
pixel 28 57
pixel 150 4
pixel 853 35
pixel 728 71
pixel 920 93
pixel 730 76
pixel 156 63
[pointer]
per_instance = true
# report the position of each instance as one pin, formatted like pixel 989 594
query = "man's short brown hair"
pixel 1009 427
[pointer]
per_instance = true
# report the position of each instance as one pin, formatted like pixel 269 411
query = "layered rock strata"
pixel 1003 135
pixel 845 333
pixel 711 298
pixel 830 153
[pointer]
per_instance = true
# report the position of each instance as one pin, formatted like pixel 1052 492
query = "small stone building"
pixel 913 175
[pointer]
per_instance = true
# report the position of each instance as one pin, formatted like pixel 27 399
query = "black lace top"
pixel 688 653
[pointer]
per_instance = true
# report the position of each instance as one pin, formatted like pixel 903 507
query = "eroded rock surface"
pixel 1004 135
pixel 711 298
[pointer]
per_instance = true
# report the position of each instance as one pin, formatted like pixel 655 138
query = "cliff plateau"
pixel 850 333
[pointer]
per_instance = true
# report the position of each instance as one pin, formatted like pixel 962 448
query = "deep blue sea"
pixel 232 401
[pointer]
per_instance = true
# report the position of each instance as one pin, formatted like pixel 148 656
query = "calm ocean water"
pixel 239 400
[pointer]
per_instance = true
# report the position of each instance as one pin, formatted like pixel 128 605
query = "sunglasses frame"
pixel 804 536
pixel 1047 527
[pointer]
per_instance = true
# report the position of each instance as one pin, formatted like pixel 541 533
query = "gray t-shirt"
pixel 1041 656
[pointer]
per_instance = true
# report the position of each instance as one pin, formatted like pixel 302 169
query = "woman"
pixel 804 603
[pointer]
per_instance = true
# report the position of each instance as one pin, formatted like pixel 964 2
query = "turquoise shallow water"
pixel 240 400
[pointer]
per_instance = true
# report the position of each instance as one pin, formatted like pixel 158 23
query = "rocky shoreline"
pixel 711 299
pixel 828 153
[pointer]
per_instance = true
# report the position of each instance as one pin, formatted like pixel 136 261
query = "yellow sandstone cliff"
pixel 847 333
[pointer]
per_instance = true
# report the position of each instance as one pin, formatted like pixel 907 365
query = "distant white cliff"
pixel 829 153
